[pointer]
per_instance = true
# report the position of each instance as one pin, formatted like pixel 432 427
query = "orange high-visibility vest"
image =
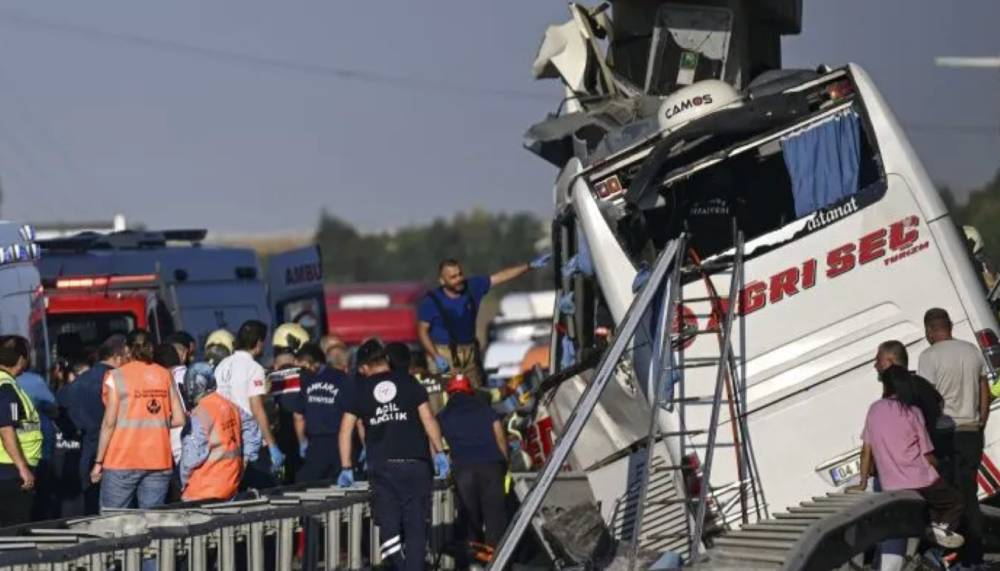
pixel 141 440
pixel 219 477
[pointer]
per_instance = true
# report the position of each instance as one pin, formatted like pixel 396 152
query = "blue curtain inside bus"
pixel 823 161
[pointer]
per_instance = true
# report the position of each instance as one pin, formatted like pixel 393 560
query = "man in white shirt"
pixel 242 380
pixel 957 370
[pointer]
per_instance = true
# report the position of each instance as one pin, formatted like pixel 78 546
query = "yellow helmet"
pixel 290 336
pixel 221 337
pixel 974 238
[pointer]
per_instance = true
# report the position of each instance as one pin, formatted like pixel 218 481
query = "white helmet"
pixel 974 238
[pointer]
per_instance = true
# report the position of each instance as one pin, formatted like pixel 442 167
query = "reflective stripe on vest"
pixel 217 449
pixel 28 429
pixel 219 476
pixel 123 403
pixel 141 440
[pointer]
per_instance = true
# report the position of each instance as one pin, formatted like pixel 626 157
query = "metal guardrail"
pixel 312 527
pixel 824 533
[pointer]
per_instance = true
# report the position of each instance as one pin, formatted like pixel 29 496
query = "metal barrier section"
pixel 310 528
pixel 826 532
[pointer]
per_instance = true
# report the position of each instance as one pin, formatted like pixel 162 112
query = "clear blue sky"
pixel 103 108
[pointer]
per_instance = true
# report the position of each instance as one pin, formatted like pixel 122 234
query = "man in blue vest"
pixel 478 445
pixel 447 316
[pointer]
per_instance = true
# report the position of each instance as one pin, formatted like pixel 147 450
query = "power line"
pixel 352 74
pixel 337 72
pixel 974 130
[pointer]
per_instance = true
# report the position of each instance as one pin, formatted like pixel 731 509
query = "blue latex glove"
pixel 442 364
pixel 346 478
pixel 277 458
pixel 641 277
pixel 363 458
pixel 571 268
pixel 441 465
pixel 540 261
pixel 584 261
pixel 303 446
pixel 566 304
pixel 568 353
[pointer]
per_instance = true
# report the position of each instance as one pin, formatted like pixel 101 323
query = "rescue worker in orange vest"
pixel 222 440
pixel 134 461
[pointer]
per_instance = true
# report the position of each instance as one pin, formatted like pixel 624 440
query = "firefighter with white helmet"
pixel 977 246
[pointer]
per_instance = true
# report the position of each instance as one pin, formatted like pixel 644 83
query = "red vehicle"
pixel 92 308
pixel 384 310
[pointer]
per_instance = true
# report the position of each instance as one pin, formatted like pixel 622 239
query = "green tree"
pixel 483 241
pixel 982 210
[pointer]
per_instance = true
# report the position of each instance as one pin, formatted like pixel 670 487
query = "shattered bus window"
pixel 823 167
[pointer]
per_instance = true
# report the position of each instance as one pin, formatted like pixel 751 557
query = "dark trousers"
pixel 45 505
pixel 17 503
pixel 288 443
pixel 174 491
pixel 402 504
pixel 91 491
pixel 322 459
pixel 481 502
pixel 944 503
pixel 959 453
pixel 258 474
pixel 69 492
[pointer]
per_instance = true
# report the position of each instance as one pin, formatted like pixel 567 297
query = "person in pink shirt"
pixel 896 438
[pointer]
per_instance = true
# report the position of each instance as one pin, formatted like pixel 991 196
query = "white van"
pixel 828 276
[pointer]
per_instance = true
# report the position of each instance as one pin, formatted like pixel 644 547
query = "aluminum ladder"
pixel 667 370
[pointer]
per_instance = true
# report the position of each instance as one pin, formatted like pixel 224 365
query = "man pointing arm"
pixel 447 316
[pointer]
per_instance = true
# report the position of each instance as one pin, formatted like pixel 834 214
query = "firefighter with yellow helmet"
pixel 283 382
pixel 218 345
pixel 977 246
pixel 287 340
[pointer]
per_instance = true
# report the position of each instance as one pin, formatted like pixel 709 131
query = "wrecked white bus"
pixel 847 245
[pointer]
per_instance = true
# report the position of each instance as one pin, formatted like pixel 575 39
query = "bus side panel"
pixel 819 309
